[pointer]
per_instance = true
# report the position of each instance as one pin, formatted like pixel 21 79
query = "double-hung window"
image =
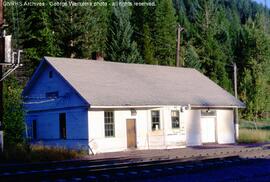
pixel 109 123
pixel 175 119
pixel 155 120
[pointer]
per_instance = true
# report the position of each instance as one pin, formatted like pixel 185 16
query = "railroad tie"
pixel 168 169
pixel 189 167
pixel 200 164
pixel 60 180
pixel 158 170
pixel 145 173
pixel 120 174
pixel 59 169
pixel 132 173
pixel 91 178
pixel 21 172
pixel 228 161
pixel 218 162
pixel 179 167
pixel 105 177
pixel 76 179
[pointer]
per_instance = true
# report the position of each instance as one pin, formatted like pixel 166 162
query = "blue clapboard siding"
pixel 35 93
pixel 45 110
pixel 48 124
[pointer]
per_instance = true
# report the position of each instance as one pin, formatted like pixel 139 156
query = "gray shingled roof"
pixel 104 83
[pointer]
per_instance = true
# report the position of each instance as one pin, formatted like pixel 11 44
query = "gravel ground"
pixel 191 153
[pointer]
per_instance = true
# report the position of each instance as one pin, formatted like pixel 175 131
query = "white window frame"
pixel 159 122
pixel 109 132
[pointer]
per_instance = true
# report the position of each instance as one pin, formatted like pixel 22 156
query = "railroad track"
pixel 125 168
pixel 118 171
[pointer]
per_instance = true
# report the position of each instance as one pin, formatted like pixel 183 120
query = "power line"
pixel 39 102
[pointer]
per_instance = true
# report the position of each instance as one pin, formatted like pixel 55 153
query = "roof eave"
pixel 154 106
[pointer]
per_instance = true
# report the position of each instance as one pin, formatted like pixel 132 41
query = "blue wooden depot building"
pixel 103 106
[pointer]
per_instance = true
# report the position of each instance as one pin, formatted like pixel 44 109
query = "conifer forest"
pixel 216 34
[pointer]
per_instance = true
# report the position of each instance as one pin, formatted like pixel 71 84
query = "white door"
pixel 208 129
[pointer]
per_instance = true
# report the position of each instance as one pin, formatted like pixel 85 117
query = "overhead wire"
pixel 39 102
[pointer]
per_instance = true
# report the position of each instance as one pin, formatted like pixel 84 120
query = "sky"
pixel 263 1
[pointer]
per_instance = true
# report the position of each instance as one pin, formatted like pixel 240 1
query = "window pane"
pixel 155 113
pixel 155 120
pixel 175 119
pixel 109 124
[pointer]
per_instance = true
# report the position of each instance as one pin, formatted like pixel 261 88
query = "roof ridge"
pixel 48 58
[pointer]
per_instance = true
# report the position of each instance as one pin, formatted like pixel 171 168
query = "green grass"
pixel 263 125
pixel 251 132
pixel 37 153
pixel 253 136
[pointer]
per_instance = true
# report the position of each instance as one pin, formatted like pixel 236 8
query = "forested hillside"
pixel 216 34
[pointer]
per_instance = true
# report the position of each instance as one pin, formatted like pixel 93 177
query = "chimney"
pixel 97 56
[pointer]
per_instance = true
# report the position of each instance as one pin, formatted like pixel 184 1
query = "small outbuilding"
pixel 103 106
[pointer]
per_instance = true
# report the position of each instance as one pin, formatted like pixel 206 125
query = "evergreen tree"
pixel 80 30
pixel 148 50
pixel 120 47
pixel 254 59
pixel 212 43
pixel 192 58
pixel 35 35
pixel 165 33
pixel 138 20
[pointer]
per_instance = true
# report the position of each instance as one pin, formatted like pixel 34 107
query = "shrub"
pixel 37 153
pixel 13 118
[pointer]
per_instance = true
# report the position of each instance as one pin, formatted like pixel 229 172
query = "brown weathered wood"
pixel 131 133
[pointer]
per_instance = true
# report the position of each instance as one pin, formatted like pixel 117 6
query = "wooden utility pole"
pixel 179 30
pixel 2 59
pixel 236 122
